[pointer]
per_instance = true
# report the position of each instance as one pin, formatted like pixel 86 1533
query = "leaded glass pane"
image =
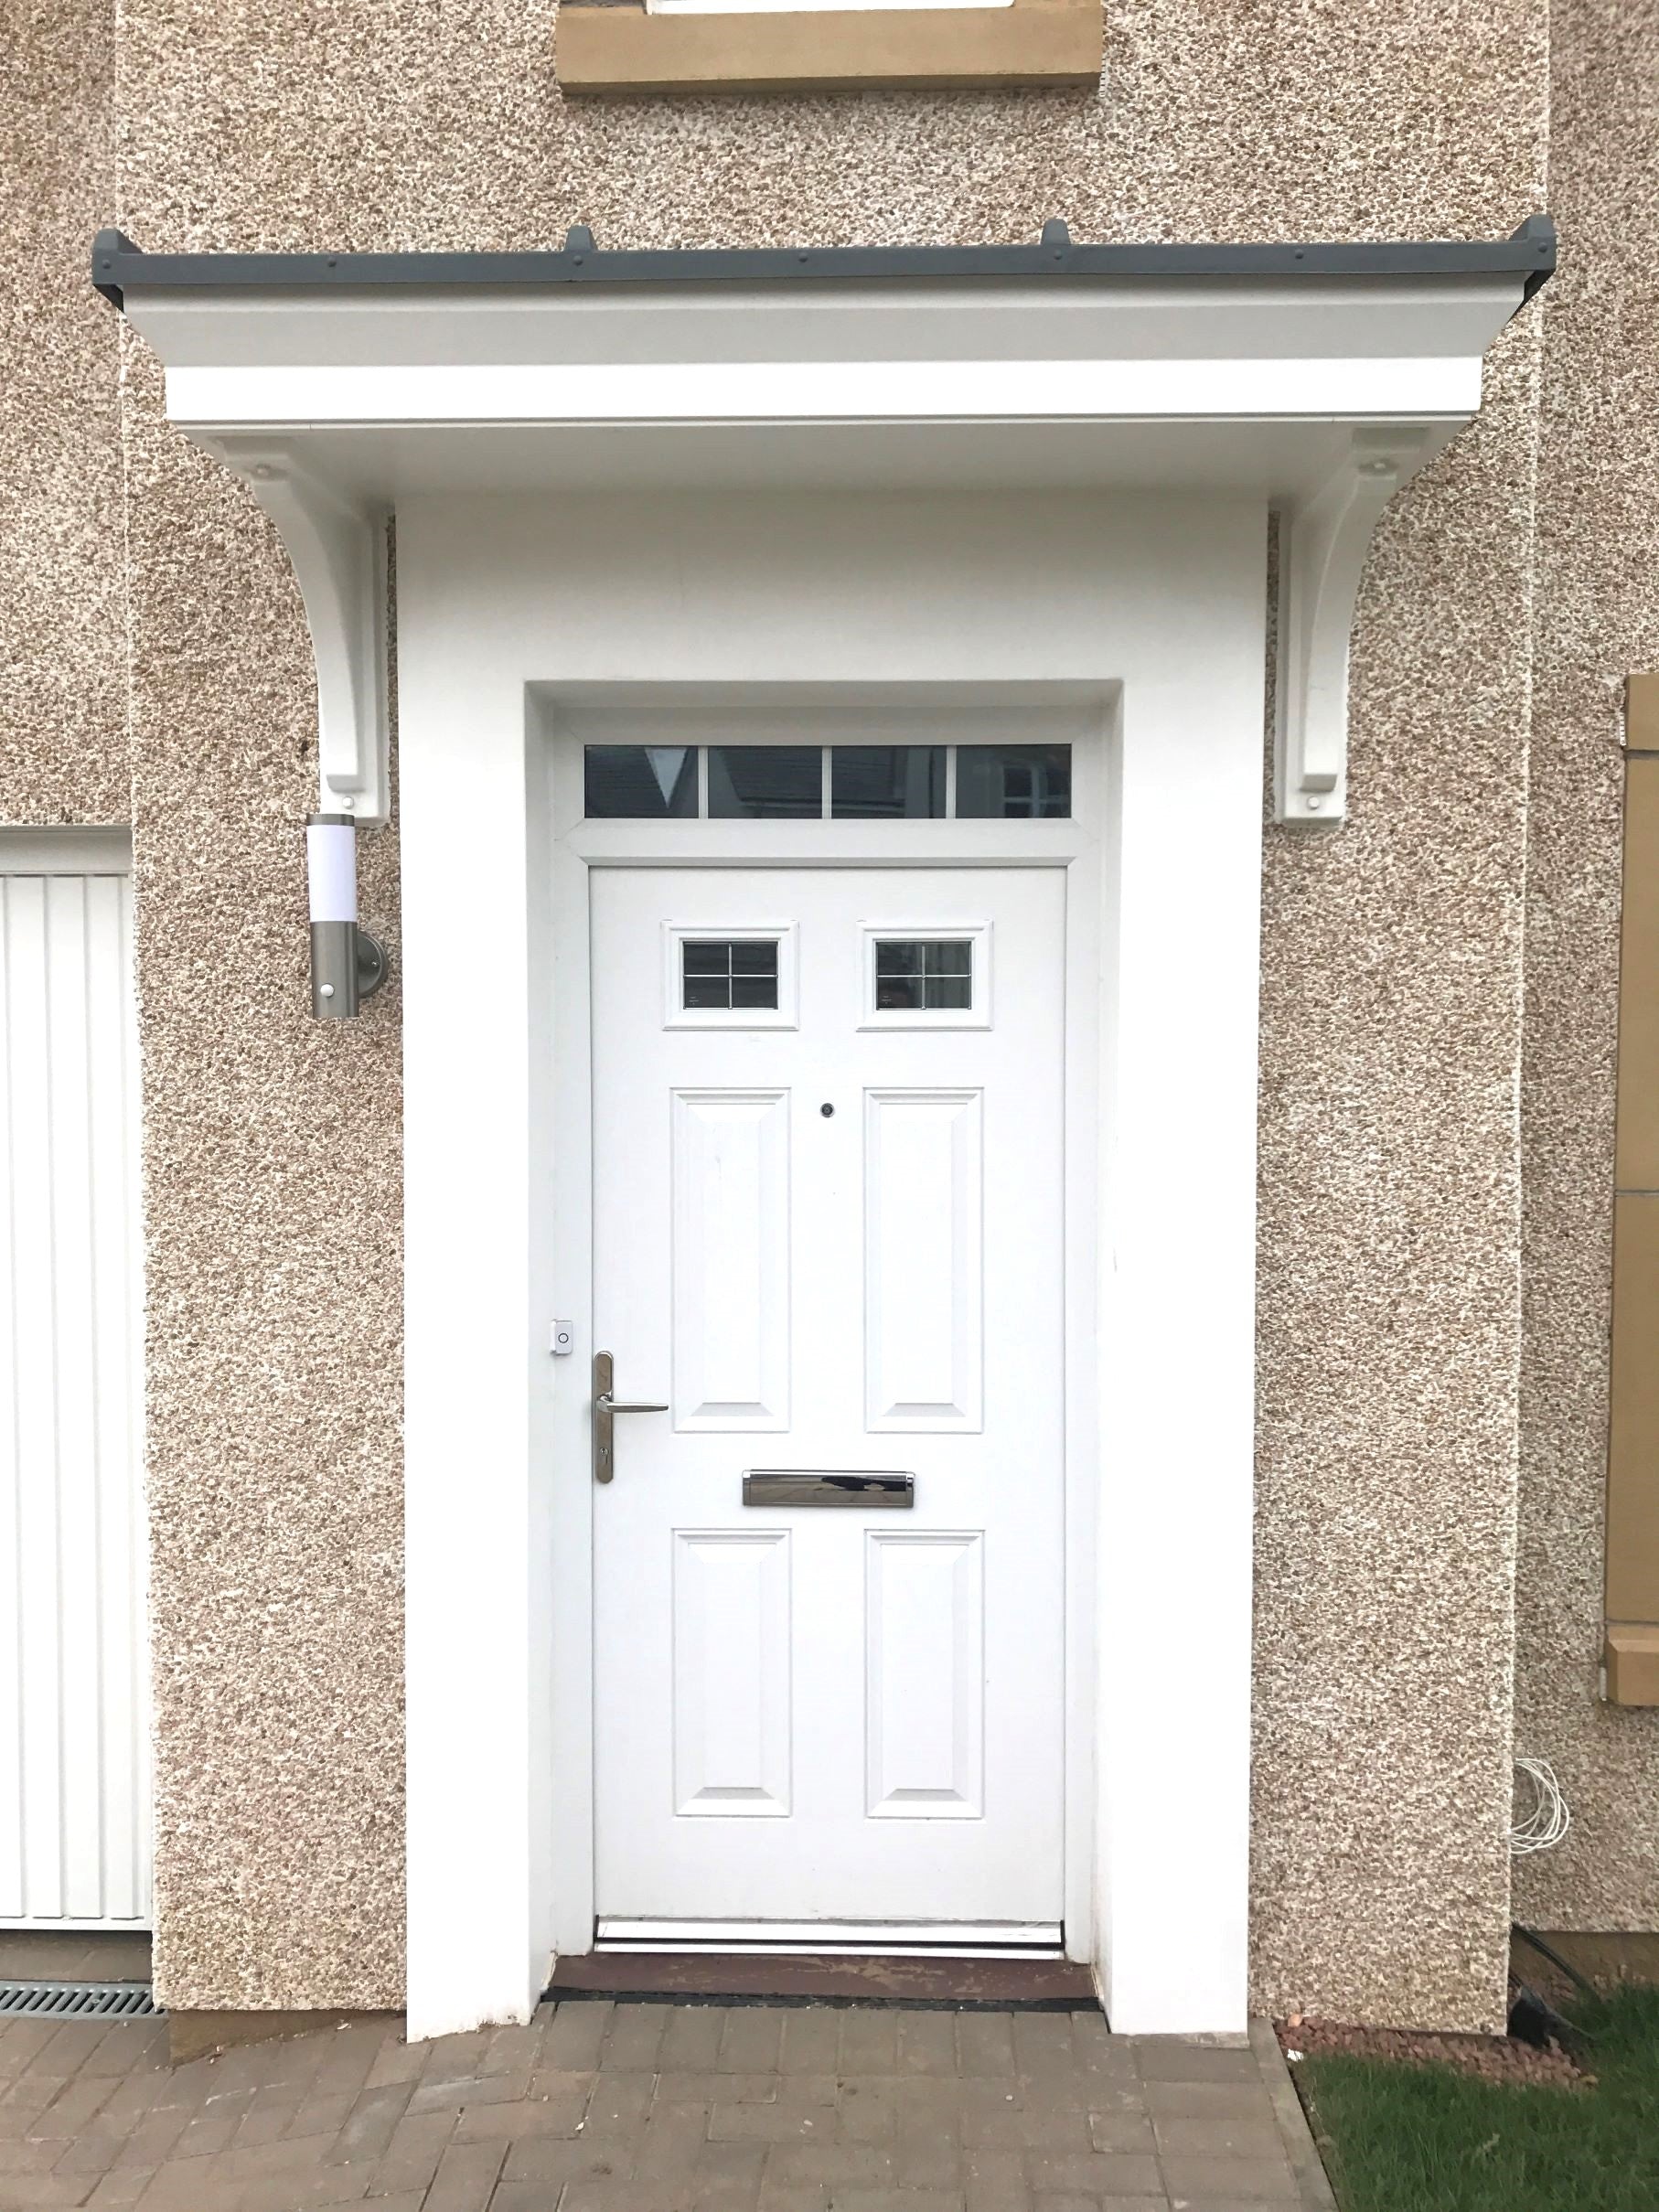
pixel 728 973
pixel 924 975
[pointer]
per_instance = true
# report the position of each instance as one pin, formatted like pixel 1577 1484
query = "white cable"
pixel 1546 1820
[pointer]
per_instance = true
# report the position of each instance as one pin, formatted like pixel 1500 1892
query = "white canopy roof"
pixel 1316 376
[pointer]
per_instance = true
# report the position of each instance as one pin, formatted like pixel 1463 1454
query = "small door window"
pixel 740 976
pixel 927 975
pixel 923 975
pixel 728 972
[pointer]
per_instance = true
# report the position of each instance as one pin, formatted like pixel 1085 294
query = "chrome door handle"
pixel 605 1406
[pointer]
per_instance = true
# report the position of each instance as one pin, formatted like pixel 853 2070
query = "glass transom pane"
pixel 1008 782
pixel 765 782
pixel 639 783
pixel 786 783
pixel 886 782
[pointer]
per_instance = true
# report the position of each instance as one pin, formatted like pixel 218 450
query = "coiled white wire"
pixel 1546 1820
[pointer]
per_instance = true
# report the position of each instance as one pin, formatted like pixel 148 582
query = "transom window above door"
pixel 827 782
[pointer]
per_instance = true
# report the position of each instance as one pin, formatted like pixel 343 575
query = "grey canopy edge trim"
pixel 1528 253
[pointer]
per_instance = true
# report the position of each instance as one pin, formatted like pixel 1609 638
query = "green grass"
pixel 1423 2138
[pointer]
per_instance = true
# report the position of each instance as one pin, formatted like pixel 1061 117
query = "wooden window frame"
pixel 1631 1655
pixel 619 47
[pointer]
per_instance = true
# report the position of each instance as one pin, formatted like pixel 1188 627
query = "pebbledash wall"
pixel 1597 619
pixel 157 668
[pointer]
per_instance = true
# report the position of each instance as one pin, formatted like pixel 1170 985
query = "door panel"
pixel 925 1676
pixel 924 1299
pixel 74 1753
pixel 731 1684
pixel 827 1210
pixel 731 1259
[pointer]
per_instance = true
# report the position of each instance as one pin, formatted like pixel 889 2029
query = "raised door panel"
pixel 924 1293
pixel 925 1676
pixel 731 1259
pixel 732 1707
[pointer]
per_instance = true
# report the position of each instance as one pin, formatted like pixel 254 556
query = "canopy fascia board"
pixel 1320 377
pixel 1056 258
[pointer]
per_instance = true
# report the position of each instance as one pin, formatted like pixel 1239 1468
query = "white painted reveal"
pixel 530 622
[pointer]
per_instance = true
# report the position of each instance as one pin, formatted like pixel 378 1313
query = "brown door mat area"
pixel 826 1978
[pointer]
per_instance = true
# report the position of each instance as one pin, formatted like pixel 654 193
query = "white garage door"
pixel 74 1756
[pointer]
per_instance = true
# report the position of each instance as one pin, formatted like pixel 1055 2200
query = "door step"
pixel 929 1979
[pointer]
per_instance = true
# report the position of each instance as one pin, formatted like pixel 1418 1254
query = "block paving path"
pixel 657 2107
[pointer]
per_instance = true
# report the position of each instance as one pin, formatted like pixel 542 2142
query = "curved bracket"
pixel 1322 545
pixel 337 546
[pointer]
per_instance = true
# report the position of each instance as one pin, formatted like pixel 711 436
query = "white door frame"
pixel 506 603
pixel 578 849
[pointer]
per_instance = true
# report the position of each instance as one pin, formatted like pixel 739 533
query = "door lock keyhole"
pixel 825 1109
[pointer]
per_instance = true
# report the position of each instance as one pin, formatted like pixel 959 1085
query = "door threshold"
pixel 822 1950
pixel 929 1981
pixel 880 1939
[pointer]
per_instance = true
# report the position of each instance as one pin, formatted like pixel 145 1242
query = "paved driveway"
pixel 641 2107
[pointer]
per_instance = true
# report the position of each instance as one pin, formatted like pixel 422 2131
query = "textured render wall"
pixel 1598 620
pixel 273 1321
pixel 1392 952
pixel 1389 1280
pixel 62 600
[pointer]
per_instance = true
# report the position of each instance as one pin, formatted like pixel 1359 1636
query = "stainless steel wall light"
pixel 346 964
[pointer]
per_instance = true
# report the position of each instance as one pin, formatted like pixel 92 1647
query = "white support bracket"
pixel 337 546
pixel 1323 540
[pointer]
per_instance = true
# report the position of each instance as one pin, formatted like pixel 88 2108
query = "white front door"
pixel 828 1144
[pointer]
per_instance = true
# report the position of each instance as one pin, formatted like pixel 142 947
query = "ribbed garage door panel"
pixel 74 1810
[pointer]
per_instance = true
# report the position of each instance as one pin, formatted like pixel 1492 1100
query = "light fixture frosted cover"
pixel 331 867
